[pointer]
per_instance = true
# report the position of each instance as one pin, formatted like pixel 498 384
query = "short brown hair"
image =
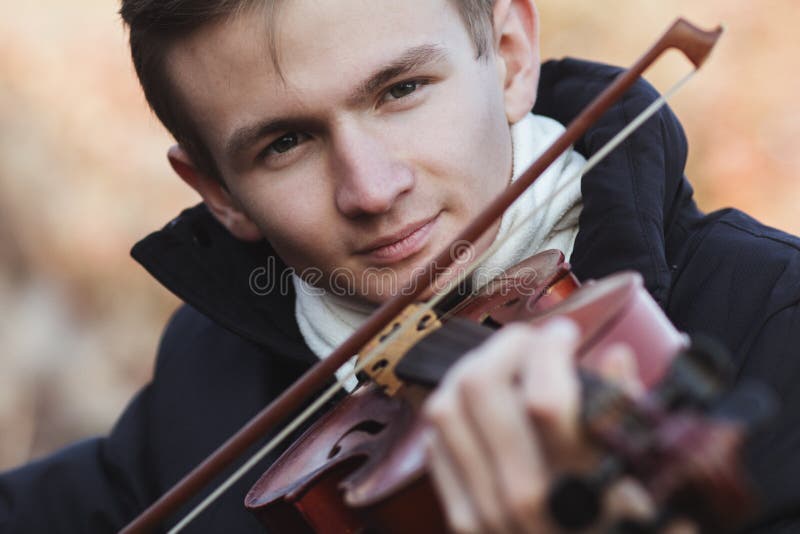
pixel 155 25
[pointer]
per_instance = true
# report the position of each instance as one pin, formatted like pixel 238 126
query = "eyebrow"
pixel 409 60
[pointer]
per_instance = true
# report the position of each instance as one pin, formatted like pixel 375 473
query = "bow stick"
pixel 695 44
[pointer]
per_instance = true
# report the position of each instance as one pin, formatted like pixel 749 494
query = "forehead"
pixel 308 30
pixel 225 72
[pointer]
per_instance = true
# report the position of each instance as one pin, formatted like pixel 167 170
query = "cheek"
pixel 493 135
pixel 473 145
pixel 294 219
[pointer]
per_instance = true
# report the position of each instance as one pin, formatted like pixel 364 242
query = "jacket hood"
pixel 632 207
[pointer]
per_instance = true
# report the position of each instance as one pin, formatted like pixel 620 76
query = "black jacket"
pixel 230 350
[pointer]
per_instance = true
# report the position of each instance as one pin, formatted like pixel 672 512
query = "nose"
pixel 369 179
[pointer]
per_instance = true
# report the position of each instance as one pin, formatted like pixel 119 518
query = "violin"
pixel 624 294
pixel 362 466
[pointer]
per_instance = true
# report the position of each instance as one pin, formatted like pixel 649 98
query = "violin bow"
pixel 694 43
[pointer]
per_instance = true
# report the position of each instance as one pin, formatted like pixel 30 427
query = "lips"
pixel 401 244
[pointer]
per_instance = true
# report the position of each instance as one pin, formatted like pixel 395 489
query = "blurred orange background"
pixel 83 176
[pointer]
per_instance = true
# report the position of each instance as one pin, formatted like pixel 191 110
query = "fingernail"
pixel 563 327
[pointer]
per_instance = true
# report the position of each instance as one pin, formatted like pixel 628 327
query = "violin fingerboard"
pixel 428 361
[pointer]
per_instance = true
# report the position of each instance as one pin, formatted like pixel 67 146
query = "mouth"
pixel 400 245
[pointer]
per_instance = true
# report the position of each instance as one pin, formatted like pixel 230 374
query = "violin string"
pixel 367 359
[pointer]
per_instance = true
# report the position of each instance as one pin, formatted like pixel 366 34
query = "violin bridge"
pixel 394 341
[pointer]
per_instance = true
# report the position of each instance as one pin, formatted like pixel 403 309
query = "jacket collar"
pixel 630 200
pixel 242 286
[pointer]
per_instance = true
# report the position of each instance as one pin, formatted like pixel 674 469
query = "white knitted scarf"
pixel 326 320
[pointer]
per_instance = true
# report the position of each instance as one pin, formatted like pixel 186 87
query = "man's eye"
pixel 284 143
pixel 403 89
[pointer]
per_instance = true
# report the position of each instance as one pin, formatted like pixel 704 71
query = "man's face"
pixel 380 138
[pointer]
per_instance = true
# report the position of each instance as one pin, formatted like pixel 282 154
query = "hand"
pixel 505 419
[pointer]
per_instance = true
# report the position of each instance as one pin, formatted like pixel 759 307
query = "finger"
pixel 617 364
pixel 466 458
pixel 551 389
pixel 681 526
pixel 458 508
pixel 503 427
pixel 627 499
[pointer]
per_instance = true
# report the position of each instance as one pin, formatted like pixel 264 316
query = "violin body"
pixel 303 491
pixel 362 466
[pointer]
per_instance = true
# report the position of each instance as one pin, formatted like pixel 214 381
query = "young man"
pixel 357 136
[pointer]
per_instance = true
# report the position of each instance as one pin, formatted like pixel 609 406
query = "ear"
pixel 216 197
pixel 516 46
